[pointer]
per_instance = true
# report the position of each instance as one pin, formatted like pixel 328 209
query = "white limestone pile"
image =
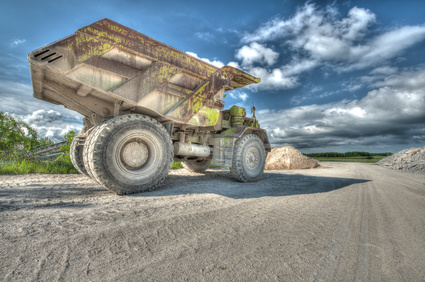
pixel 288 158
pixel 410 159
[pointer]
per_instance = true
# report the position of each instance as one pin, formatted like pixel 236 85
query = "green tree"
pixel 44 142
pixel 17 138
pixel 68 138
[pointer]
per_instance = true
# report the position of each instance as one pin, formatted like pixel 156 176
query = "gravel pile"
pixel 410 159
pixel 288 158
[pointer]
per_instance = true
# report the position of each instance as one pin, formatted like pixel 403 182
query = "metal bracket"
pixel 117 107
pixel 94 119
pixel 169 126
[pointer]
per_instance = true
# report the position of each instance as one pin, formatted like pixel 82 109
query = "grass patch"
pixel 176 165
pixel 372 160
pixel 216 166
pixel 60 165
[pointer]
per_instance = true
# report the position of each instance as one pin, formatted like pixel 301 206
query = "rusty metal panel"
pixel 203 95
pixel 105 62
pixel 118 35
pixel 146 81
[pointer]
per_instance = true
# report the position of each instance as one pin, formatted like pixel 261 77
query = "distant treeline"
pixel 346 154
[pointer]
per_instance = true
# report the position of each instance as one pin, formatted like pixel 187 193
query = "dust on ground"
pixel 346 222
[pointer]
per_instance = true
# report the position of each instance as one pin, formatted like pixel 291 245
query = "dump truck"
pixel 146 104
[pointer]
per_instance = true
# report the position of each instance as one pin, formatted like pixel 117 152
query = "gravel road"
pixel 340 222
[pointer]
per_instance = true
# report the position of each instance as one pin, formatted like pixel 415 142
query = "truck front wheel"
pixel 130 154
pixel 249 158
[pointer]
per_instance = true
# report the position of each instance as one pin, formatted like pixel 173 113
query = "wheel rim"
pixel 252 159
pixel 136 155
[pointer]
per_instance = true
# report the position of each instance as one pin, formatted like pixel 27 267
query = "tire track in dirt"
pixel 364 241
pixel 64 264
pixel 255 211
pixel 400 225
pixel 348 221
pixel 328 264
pixel 362 261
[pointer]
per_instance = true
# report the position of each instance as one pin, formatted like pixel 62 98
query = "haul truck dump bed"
pixel 153 103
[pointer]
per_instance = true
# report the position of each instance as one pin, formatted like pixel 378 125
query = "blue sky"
pixel 336 75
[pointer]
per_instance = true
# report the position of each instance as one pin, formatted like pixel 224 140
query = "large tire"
pixel 197 165
pixel 88 150
pixel 76 155
pixel 249 159
pixel 130 154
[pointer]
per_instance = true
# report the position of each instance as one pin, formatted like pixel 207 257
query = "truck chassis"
pixel 146 104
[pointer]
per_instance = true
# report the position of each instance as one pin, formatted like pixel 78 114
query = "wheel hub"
pixel 252 159
pixel 135 154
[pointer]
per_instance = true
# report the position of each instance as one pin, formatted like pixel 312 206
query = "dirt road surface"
pixel 341 222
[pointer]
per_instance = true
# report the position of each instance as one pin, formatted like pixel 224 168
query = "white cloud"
pixel 312 95
pixel 411 80
pixel 48 119
pixel 243 96
pixel 279 28
pixel 234 64
pixel 42 117
pixel 319 37
pixel 285 77
pixel 392 113
pixel 385 46
pixel 384 70
pixel 272 79
pixel 238 95
pixel 256 53
pixel 378 74
pixel 311 24
pixel 51 123
pixel 17 42
pixel 207 36
pixel 298 66
pixel 216 63
pixel 355 26
pixel 18 98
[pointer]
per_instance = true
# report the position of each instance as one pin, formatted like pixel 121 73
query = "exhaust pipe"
pixel 191 150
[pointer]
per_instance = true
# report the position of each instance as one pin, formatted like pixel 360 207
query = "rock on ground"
pixel 288 158
pixel 410 159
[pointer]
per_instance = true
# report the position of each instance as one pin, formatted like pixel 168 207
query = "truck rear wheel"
pixel 76 155
pixel 197 165
pixel 249 158
pixel 130 154
pixel 88 150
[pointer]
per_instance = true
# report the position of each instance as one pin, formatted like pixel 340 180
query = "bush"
pixel 17 139
pixel 68 138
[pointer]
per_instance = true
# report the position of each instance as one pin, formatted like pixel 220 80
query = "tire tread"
pixel 237 169
pixel 94 154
